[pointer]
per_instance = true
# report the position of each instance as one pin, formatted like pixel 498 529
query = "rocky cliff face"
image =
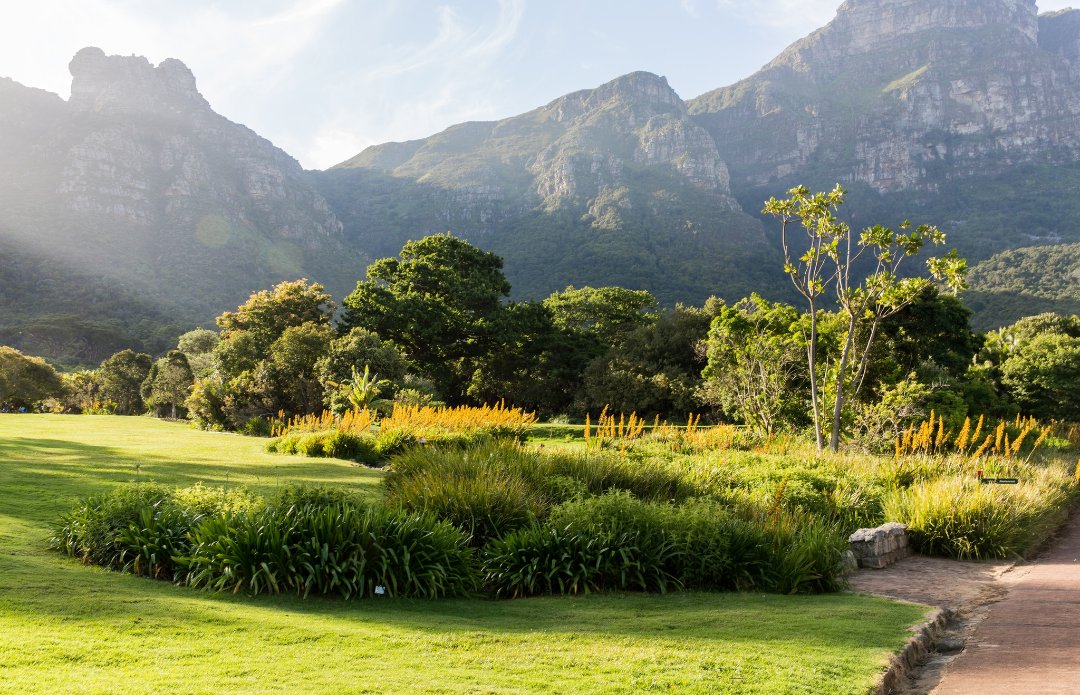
pixel 904 95
pixel 619 172
pixel 136 181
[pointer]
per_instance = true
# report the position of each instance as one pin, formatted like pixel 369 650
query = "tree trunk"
pixel 811 355
pixel 838 404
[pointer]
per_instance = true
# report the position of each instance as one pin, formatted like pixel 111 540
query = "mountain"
pixel 965 113
pixel 132 211
pixel 135 190
pixel 1023 282
pixel 614 185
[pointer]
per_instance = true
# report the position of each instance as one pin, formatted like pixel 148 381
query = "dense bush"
pixel 806 555
pixel 142 528
pixel 330 547
pixel 351 446
pixel 472 489
pixel 961 518
pixel 720 551
pixel 499 487
pixel 617 542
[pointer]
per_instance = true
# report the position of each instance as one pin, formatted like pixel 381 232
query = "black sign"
pixel 999 481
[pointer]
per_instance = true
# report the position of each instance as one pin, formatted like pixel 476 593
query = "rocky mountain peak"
pixel 864 27
pixel 1059 33
pixel 637 90
pixel 132 85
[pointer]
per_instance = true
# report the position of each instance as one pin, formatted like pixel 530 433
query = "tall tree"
pixel 830 267
pixel 440 301
pixel 198 346
pixel 355 349
pixel 168 385
pixel 25 380
pixel 121 379
pixel 753 352
pixel 607 313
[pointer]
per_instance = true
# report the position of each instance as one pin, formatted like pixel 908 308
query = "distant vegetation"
pixel 1023 282
pixel 435 325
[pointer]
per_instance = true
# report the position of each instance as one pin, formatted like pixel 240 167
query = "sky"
pixel 323 79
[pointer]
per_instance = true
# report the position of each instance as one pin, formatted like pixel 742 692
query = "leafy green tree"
pixel 168 385
pixel 935 326
pixel 198 346
pixel 538 366
pixel 288 380
pixel 754 361
pixel 81 390
pixel 1043 376
pixel 440 301
pixel 26 380
pixel 121 379
pixel 608 313
pixel 265 360
pixel 654 369
pixel 248 332
pixel 356 347
pixel 830 266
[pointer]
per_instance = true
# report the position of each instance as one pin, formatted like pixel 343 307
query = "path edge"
pixel 914 651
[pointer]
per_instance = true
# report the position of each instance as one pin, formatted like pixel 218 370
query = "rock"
pixel 906 94
pixel 877 548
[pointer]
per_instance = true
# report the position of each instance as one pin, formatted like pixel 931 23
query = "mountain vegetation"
pixel 1022 282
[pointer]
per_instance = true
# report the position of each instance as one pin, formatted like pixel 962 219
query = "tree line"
pixel 435 325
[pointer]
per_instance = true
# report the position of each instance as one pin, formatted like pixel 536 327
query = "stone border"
pixel 914 652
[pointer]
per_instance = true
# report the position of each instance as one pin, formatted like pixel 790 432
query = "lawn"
pixel 69 628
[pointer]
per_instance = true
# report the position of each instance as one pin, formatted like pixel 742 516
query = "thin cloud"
pixel 782 14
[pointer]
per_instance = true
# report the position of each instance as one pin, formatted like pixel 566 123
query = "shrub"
pixel 390 443
pixel 361 448
pixel 719 551
pixel 806 555
pixel 91 532
pixel 542 560
pixel 608 542
pixel 475 490
pixel 200 501
pixel 312 445
pixel 312 543
pixel 601 471
pixel 255 427
pixel 142 528
pixel 964 519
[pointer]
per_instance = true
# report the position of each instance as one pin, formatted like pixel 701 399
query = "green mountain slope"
pixel 1024 282
pixel 607 186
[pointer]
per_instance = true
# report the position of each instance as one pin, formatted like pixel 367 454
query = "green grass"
pixel 66 627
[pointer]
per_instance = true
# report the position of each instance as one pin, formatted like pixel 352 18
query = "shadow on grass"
pixel 42 478
pixel 52 586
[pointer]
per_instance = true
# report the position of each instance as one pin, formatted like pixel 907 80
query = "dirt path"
pixel 1016 629
pixel 1030 641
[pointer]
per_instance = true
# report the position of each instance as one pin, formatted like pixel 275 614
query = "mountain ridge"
pixel 962 113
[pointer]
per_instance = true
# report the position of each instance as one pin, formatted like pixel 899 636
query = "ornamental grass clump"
pixel 475 490
pixel 962 518
pixel 612 542
pixel 1007 440
pixel 362 448
pixel 142 528
pixel 434 423
pixel 615 541
pixel 330 545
